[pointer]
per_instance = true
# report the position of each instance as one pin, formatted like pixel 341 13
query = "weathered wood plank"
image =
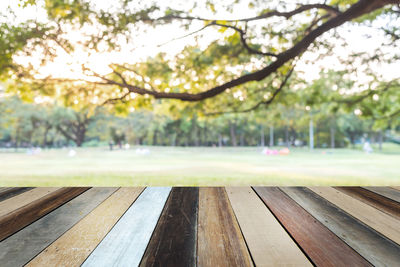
pixel 377 201
pixel 174 239
pixel 19 218
pixel 268 242
pixel 7 192
pixel 20 248
pixel 125 244
pixel 23 199
pixel 73 247
pixel 396 187
pixel 386 192
pixel 4 189
pixel 374 247
pixel 220 242
pixel 381 222
pixel 322 246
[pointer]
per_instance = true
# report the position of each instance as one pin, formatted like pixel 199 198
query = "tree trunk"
pixel 196 138
pixel 232 127
pixel 219 140
pixel 287 136
pixel 241 139
pixel 311 133
pixel 271 136
pixel 380 139
pixel 262 137
pixel 46 132
pixel 80 138
pixel 332 136
pixel 155 138
pixel 293 136
pixel 173 139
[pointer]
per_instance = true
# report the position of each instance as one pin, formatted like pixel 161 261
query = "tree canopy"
pixel 238 55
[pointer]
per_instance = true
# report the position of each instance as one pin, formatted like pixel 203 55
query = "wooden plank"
pixel 322 246
pixel 374 247
pixel 388 192
pixel 377 201
pixel 23 199
pixel 220 242
pixel 4 189
pixel 18 219
pixel 381 222
pixel 125 244
pixel 396 187
pixel 73 247
pixel 21 247
pixel 7 192
pixel 268 242
pixel 174 239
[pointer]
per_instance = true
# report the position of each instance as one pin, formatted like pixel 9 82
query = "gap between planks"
pixel 268 241
pixel 72 248
pixel 376 219
pixel 23 199
pixel 23 216
pixel 374 247
pixel 322 246
pixel 37 236
pixel 220 241
pixel 126 242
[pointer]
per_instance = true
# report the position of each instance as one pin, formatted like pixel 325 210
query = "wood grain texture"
pixel 23 199
pixel 19 218
pixel 268 242
pixel 73 247
pixel 220 242
pixel 386 192
pixel 7 192
pixel 4 189
pixel 21 247
pixel 321 245
pixel 374 247
pixel 377 201
pixel 174 239
pixel 381 222
pixel 125 244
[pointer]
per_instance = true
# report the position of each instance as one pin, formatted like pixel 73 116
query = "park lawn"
pixel 200 167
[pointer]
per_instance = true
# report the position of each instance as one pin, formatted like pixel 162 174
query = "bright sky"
pixel 146 44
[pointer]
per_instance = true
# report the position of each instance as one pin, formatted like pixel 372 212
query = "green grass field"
pixel 200 166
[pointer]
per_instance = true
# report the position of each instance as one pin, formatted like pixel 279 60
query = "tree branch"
pixel 262 102
pixel 243 40
pixel 265 15
pixel 362 97
pixel 358 9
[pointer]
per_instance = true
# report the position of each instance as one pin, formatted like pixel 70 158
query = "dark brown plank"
pixel 6 193
pixel 174 239
pixel 18 219
pixel 374 247
pixel 220 242
pixel 322 246
pixel 377 201
pixel 385 191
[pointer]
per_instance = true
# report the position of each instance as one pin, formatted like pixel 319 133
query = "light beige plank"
pixel 396 187
pixel 378 220
pixel 23 199
pixel 72 248
pixel 269 243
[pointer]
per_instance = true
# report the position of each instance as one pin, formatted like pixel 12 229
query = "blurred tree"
pixel 235 68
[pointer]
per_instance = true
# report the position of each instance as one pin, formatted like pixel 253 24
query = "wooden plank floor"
pixel 233 226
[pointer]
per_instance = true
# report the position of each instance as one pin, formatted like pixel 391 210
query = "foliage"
pixel 247 65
